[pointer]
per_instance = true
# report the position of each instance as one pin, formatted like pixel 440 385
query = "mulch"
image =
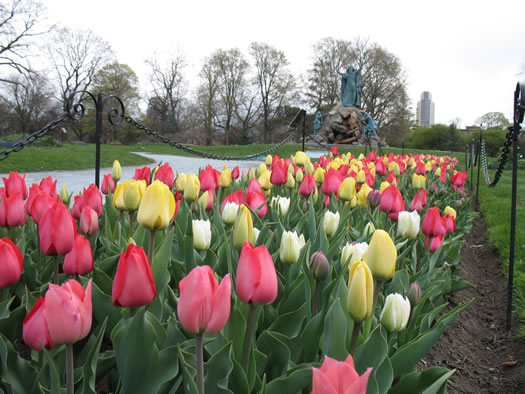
pixel 486 357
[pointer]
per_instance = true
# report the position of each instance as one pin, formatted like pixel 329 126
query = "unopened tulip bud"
pixel 269 160
pixel 229 212
pixel 201 234
pixel 290 183
pixel 300 158
pixel 65 197
pixel 192 188
pixel 360 291
pixel 291 245
pixel 330 222
pixel 381 256
pixel 374 198
pixel 319 266
pixel 116 171
pixel 432 188
pixel 225 178
pixel 243 227
pixel 299 176
pixel 181 182
pixel 353 251
pixel 414 294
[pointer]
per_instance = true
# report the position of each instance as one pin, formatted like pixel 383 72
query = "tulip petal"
pixel 221 306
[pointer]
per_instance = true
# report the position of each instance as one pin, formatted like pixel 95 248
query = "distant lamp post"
pixel 64 131
pixel 115 117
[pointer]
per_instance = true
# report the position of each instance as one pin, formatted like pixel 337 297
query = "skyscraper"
pixel 425 110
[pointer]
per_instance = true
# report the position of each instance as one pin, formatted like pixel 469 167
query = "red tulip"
pixel 391 200
pixel 257 202
pixel 68 311
pixel 107 184
pixel 256 280
pixel 11 263
pixel 331 183
pixel 372 156
pixel 458 180
pixel 307 186
pixel 77 206
pixel 237 197
pixel 253 186
pixel 12 212
pixel 435 243
pixel 419 201
pixel 391 177
pixel 80 260
pixel 143 173
pixel 279 174
pixel 450 223
pixel 433 223
pixel 203 306
pixel 334 150
pixel 39 202
pixel 15 182
pixel 165 174
pixel 34 328
pixel 133 284
pixel 88 224
pixel 93 198
pixel 235 172
pixel 339 377
pixel 209 178
pixel 57 230
pixel 380 167
pixel 49 186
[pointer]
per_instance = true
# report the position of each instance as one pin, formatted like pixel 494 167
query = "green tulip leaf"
pixel 399 283
pixel 102 280
pixel 104 307
pixel 384 375
pixel 218 369
pixel 311 337
pixel 188 373
pixel 159 266
pixel 293 381
pixel 275 346
pixel 89 368
pixel 407 357
pixel 335 333
pixel 238 379
pixel 235 329
pixel 372 352
pixel 429 381
pixel 290 323
pixel 15 371
pixel 4 308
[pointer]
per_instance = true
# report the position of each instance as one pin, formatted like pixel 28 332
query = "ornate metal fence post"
pixel 115 117
pixel 519 109
pixel 479 166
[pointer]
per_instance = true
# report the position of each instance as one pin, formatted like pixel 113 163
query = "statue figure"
pixel 318 122
pixel 351 86
pixel 370 128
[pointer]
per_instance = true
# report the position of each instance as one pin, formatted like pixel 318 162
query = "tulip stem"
pixel 250 328
pixel 55 276
pixel 151 246
pixel 131 222
pixel 355 336
pixel 316 297
pixel 377 290
pixel 9 229
pixel 69 369
pixel 199 363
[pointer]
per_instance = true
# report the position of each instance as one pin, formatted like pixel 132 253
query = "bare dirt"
pixel 486 357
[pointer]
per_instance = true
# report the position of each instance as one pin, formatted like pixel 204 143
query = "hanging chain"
pixel 19 145
pixel 311 137
pixel 473 156
pixel 503 159
pixel 187 149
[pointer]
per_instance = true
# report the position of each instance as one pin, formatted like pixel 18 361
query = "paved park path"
pixel 77 180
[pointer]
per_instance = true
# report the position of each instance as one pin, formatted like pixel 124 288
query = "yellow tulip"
pixel 360 291
pixel 65 197
pixel 269 160
pixel 428 166
pixel 393 166
pixel 116 171
pixel 361 177
pixel 290 183
pixel 243 227
pixel 362 195
pixel 133 193
pixel 181 182
pixel 347 189
pixel 225 179
pixel 192 188
pixel 261 169
pixel 300 158
pixel 319 175
pixel 264 180
pixel 418 181
pixel 381 256
pixel 309 167
pixel 299 175
pixel 157 207
pixel 383 186
pixel 449 211
pixel 118 197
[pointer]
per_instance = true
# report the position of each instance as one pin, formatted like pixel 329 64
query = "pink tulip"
pixel 433 224
pixel 165 174
pixel 57 230
pixel 339 377
pixel 107 184
pixel 450 223
pixel 49 186
pixel 34 328
pixel 254 186
pixel 143 173
pixel 307 186
pixel 391 200
pixel 257 202
pixel 203 306
pixel 133 284
pixel 93 198
pixel 279 175
pixel 334 150
pixel 80 260
pixel 209 178
pixel 12 212
pixel 15 182
pixel 435 243
pixel 39 202
pixel 331 183
pixel 235 172
pixel 88 224
pixel 68 311
pixel 256 280
pixel 11 263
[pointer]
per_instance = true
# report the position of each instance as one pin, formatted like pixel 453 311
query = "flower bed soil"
pixel 476 344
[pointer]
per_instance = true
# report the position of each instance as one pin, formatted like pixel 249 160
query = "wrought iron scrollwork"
pixel 77 110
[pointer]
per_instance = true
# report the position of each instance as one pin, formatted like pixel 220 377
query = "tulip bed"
pixel 325 277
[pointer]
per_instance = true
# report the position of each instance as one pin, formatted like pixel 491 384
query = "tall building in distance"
pixel 425 110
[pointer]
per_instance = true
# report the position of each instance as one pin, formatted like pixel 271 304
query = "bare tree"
pixel 19 24
pixel 274 80
pixel 167 89
pixel 207 94
pixel 76 55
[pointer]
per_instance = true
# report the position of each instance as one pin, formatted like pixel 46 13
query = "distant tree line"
pixel 241 97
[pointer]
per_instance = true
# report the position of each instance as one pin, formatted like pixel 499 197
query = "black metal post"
pixel 402 147
pixel 466 157
pixel 98 133
pixel 479 167
pixel 519 107
pixel 472 166
pixel 304 128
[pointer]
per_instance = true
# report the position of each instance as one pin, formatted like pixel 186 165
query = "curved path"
pixel 77 180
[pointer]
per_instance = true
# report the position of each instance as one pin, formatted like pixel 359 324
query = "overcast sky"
pixel 466 53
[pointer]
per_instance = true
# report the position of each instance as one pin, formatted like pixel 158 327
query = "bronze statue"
pixel 351 86
pixel 318 122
